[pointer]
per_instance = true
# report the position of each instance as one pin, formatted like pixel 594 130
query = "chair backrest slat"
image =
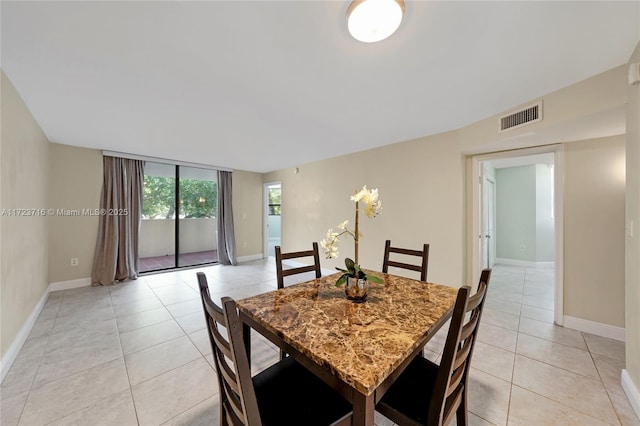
pixel 477 298
pixel 230 377
pixel 453 401
pixel 233 400
pixel 298 270
pixel 462 354
pixel 470 326
pixel 404 265
pixel 453 374
pixel 281 272
pixel 455 380
pixel 423 254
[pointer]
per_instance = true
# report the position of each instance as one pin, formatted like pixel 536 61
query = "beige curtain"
pixel 226 234
pixel 116 255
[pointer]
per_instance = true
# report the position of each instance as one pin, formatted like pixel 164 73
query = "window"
pixel 178 225
pixel 275 197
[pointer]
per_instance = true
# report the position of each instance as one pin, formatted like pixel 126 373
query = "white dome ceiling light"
pixel 369 21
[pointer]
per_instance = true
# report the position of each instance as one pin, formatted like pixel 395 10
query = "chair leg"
pixel 462 416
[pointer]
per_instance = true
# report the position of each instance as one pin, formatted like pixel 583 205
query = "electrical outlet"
pixel 74 261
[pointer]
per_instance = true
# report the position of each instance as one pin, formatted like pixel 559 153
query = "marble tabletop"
pixel 361 343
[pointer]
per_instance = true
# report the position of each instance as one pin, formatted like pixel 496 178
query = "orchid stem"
pixel 356 234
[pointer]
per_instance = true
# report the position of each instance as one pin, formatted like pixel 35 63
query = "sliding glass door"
pixel 178 226
pixel 197 223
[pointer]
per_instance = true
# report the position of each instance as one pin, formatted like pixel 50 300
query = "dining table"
pixel 358 349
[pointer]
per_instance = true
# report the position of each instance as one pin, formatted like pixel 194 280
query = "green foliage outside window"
pixel 275 201
pixel 198 198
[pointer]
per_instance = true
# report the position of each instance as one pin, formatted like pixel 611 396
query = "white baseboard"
pixel 250 258
pixel 66 285
pixel 18 342
pixel 597 328
pixel 526 263
pixel 632 392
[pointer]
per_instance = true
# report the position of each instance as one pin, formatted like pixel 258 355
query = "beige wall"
pixel 420 185
pixel 632 211
pixel 25 171
pixel 247 212
pixel 426 194
pixel 75 183
pixel 566 114
pixel 569 114
pixel 594 191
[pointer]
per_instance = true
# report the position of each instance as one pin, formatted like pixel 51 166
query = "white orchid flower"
pixel 360 194
pixel 372 207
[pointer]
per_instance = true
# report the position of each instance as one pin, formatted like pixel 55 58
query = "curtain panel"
pixel 226 234
pixel 116 255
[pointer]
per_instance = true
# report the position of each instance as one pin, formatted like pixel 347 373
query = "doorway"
pixel 272 217
pixel 519 226
pixel 178 224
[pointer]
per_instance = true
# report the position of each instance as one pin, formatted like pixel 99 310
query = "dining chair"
pixel 423 254
pixel 430 394
pixel 281 272
pixel 285 394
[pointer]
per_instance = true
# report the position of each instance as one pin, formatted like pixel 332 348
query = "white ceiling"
pixel 267 85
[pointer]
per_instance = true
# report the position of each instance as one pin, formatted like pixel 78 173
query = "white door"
pixel 488 223
pixel 272 217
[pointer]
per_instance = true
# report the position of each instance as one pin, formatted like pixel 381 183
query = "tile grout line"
pixel 124 361
pixel 563 404
pixel 31 388
pixel 597 371
pixel 201 355
pixel 601 380
pixel 49 334
pixel 515 350
pixel 520 316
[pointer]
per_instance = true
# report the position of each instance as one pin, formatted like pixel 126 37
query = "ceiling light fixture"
pixel 374 20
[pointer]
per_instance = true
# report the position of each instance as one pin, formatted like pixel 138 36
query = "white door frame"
pixel 491 220
pixel 476 212
pixel 265 216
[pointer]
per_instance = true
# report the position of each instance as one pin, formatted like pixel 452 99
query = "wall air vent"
pixel 525 116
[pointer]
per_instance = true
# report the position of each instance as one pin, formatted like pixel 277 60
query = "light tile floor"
pixel 137 354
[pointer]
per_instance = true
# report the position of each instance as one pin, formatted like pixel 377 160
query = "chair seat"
pixel 288 394
pixel 409 393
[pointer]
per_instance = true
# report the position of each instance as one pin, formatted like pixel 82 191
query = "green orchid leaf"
pixel 374 279
pixel 351 266
pixel 341 280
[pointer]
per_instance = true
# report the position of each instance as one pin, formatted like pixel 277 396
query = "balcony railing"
pixel 156 249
